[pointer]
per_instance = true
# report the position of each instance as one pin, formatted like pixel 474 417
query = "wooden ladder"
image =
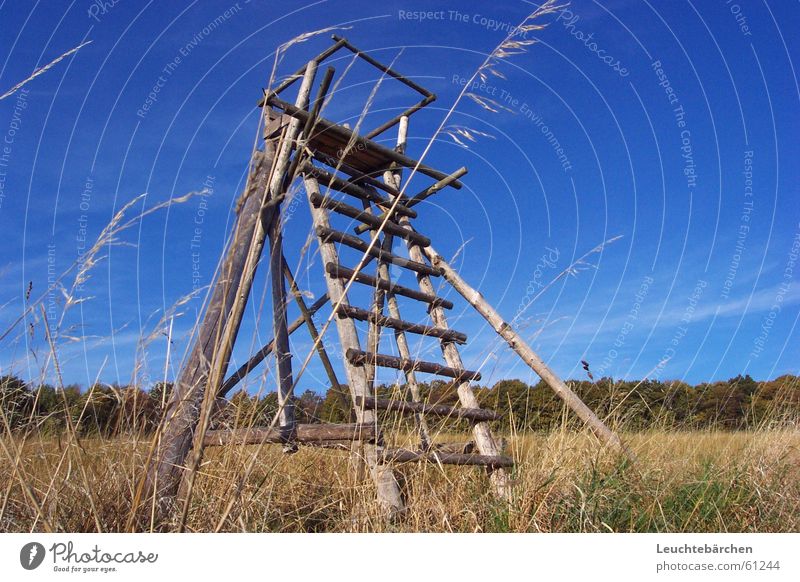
pixel 386 219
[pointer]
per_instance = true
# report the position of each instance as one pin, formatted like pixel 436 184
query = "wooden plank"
pixel 359 358
pixel 341 272
pixel 407 456
pixel 356 176
pixel 518 344
pixel 305 433
pixel 183 409
pixel 394 177
pixel 376 251
pixel 399 324
pixel 405 407
pixel 369 194
pixel 329 203
pixel 427 192
pixel 434 188
pixel 360 144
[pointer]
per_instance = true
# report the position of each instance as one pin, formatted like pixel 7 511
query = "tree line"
pixel 737 403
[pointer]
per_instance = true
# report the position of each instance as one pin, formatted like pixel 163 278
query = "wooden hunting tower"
pixel 345 174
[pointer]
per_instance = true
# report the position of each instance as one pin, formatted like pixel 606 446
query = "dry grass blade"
pixel 42 70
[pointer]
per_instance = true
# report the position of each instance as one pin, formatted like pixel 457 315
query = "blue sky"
pixel 671 125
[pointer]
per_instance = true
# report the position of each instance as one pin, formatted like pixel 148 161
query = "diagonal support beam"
pixel 515 341
pixel 266 350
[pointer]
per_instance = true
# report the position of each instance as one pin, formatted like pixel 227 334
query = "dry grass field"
pixel 682 481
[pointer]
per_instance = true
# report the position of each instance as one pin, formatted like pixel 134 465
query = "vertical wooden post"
pixel 394 178
pixel 314 333
pixel 283 354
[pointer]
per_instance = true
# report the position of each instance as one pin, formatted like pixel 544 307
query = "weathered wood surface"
pixel 480 430
pixel 314 333
pixel 515 341
pixel 305 434
pixel 342 272
pixel 426 193
pixel 361 358
pixel 368 194
pixel 361 149
pixel 188 412
pixel 394 178
pixel 405 407
pixel 352 212
pixel 399 324
pixel 283 353
pixel 329 234
pixel 407 456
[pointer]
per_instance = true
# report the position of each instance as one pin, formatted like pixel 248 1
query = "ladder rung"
pixel 340 272
pixel 360 358
pixel 370 195
pixel 319 200
pixel 399 324
pixel 406 456
pixel 306 433
pixel 329 234
pixel 356 175
pixel 405 407
pixel 426 193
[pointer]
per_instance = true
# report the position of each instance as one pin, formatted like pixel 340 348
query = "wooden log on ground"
pixel 407 456
pixel 405 407
pixel 465 448
pixel 515 341
pixel 305 434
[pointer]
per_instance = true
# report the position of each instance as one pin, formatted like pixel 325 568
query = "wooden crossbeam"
pixel 399 324
pixel 359 145
pixel 360 358
pixel 355 175
pixel 329 234
pixel 341 272
pixel 405 407
pixel 369 194
pixel 426 193
pixel 329 203
pixel 305 433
